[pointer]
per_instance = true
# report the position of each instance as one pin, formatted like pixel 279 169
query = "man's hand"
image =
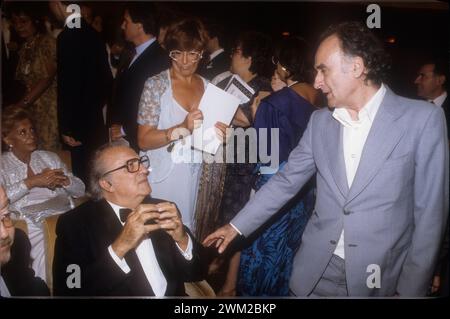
pixel 170 221
pixel 135 229
pixel 223 132
pixel 436 284
pixel 221 237
pixel 115 132
pixel 70 141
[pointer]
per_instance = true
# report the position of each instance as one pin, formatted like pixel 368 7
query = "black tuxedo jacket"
pixel 84 84
pixel 216 66
pixel 129 86
pixel 83 237
pixel 18 274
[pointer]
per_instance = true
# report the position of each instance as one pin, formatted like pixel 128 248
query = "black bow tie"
pixel 124 212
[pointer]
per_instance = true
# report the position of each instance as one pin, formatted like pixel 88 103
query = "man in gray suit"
pixel 382 180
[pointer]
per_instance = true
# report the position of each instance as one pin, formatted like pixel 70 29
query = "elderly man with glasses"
pixel 123 243
pixel 16 276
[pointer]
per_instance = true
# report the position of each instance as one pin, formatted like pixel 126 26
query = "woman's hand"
pixel 223 132
pixel 48 178
pixel 193 120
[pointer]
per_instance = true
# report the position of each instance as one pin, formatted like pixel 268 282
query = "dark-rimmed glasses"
pixel 7 221
pixel 132 165
pixel 192 56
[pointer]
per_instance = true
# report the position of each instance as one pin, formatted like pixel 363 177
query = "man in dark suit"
pixel 84 84
pixel 148 253
pixel 432 85
pixel 219 61
pixel 140 28
pixel 16 276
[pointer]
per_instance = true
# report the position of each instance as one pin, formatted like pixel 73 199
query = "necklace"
pixel 293 83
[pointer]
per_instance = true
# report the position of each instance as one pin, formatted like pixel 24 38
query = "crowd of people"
pixel 362 181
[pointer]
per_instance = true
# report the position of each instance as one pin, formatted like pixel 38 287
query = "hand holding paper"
pixel 216 106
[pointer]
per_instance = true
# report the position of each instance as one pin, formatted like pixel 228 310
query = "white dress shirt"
pixel 215 53
pixel 141 48
pixel 440 99
pixel 147 258
pixel 354 139
pixel 4 292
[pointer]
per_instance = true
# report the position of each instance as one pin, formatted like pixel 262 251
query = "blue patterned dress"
pixel 266 265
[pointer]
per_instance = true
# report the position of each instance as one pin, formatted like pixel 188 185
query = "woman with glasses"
pixel 167 115
pixel 250 60
pixel 266 265
pixel 37 182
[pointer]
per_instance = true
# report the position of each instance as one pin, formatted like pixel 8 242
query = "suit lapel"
pixel 382 139
pixel 333 137
pixel 148 51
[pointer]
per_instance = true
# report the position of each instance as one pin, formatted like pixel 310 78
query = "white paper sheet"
pixel 216 106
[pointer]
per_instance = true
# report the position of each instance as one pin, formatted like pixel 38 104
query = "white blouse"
pixel 13 172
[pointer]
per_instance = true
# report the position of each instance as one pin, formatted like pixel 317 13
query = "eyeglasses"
pixel 7 221
pixel 191 56
pixel 276 61
pixel 132 165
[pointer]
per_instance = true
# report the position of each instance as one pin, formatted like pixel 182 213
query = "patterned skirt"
pixel 266 265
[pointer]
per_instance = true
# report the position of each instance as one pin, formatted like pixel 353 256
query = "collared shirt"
pixel 440 99
pixel 141 48
pixel 354 139
pixel 147 258
pixel 4 292
pixel 215 53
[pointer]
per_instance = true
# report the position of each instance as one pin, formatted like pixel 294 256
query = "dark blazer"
pixel 129 86
pixel 84 84
pixel 216 66
pixel 83 237
pixel 18 274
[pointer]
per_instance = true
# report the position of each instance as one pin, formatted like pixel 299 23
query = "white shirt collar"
pixel 215 53
pixel 141 47
pixel 4 292
pixel 116 209
pixel 368 111
pixel 440 99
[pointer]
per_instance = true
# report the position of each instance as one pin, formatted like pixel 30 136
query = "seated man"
pixel 101 252
pixel 16 276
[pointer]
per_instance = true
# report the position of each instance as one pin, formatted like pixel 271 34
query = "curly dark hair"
pixel 258 46
pixel 295 55
pixel 34 10
pixel 357 40
pixel 145 13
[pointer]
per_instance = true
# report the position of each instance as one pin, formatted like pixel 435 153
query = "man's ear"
pixel 106 185
pixel 441 79
pixel 358 67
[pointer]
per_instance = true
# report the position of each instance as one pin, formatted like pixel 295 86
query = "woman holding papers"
pixel 266 265
pixel 32 177
pixel 251 67
pixel 167 116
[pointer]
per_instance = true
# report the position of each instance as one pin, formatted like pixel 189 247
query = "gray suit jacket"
pixel 393 215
